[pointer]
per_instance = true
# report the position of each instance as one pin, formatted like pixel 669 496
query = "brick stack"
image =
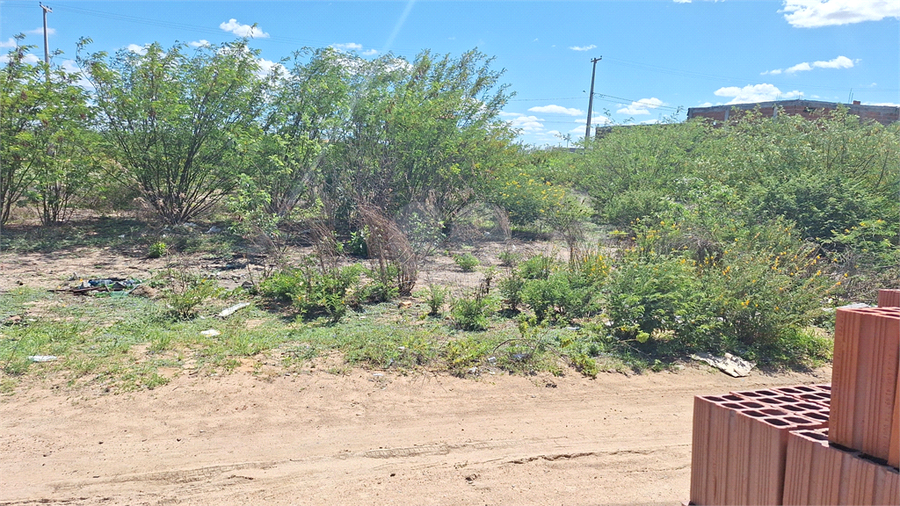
pixel 888 298
pixel 810 444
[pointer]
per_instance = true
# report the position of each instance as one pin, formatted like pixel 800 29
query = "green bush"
pixel 560 297
pixel 157 250
pixel 315 292
pixel 537 267
pixel 466 261
pixel 508 258
pixel 384 284
pixel 184 302
pixel 435 296
pixel 471 313
pixel 511 291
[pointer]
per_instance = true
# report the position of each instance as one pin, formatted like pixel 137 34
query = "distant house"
pixel 883 114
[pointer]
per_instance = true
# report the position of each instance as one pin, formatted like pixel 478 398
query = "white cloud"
pixel 40 31
pixel 29 59
pixel 527 124
pixel 682 1
pixel 755 93
pixel 557 109
pixel 243 30
pixel 9 43
pixel 817 13
pixel 350 46
pixel 582 48
pixel 199 43
pixel 136 49
pixel 266 66
pixel 370 52
pixel 800 67
pixel 841 62
pixel 641 106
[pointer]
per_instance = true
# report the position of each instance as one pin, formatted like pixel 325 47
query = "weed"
pixel 157 250
pixel 435 296
pixel 508 258
pixel 471 313
pixel 466 261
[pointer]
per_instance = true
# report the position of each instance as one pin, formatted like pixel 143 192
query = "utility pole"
pixel 46 43
pixel 587 129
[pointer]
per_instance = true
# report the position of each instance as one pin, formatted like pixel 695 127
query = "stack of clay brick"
pixel 810 444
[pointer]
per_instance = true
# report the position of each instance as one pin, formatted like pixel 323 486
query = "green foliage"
pixel 315 291
pixel 385 283
pixel 48 149
pixel 508 258
pixel 425 131
pixel 537 267
pixel 466 261
pixel 749 292
pixel 435 296
pixel 157 250
pixel 511 290
pixel 174 120
pixel 185 298
pixel 471 313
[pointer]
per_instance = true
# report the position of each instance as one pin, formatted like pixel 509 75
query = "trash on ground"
pixel 729 364
pixel 210 333
pixel 230 311
pixel 42 358
pixel 101 285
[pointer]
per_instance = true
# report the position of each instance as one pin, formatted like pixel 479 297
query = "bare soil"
pixel 359 438
pixel 362 438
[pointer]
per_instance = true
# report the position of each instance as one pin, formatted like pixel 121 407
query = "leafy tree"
pixel 44 121
pixel 307 101
pixel 174 119
pixel 423 131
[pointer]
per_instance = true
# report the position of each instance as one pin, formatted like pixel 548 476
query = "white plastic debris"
pixel 230 311
pixel 729 364
pixel 210 333
pixel 42 358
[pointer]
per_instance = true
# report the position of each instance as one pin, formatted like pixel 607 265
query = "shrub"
pixel 560 297
pixel 471 313
pixel 157 250
pixel 466 261
pixel 184 301
pixel 435 297
pixel 537 267
pixel 511 291
pixel 508 258
pixel 314 291
pixel 384 284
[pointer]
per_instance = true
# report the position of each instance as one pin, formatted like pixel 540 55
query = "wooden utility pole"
pixel 587 129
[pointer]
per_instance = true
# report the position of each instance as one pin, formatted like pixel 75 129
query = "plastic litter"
pixel 210 333
pixel 42 358
pixel 729 364
pixel 230 311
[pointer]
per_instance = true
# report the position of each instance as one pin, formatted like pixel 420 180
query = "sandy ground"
pixel 362 438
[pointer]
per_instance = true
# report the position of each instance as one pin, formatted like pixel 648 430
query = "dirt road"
pixel 362 438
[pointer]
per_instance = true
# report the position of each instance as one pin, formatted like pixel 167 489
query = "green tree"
pixel 44 124
pixel 425 131
pixel 307 101
pixel 174 119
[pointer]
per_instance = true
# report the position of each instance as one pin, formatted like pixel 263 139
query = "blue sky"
pixel 658 57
